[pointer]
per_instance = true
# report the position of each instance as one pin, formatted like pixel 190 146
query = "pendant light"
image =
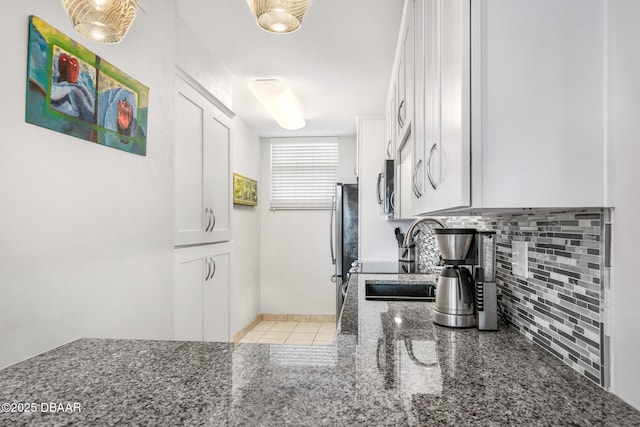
pixel 105 21
pixel 279 16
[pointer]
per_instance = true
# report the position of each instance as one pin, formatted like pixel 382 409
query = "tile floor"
pixel 298 333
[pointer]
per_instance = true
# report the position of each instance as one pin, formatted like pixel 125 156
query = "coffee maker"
pixel 466 298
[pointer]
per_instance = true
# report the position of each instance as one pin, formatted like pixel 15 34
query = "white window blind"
pixel 304 172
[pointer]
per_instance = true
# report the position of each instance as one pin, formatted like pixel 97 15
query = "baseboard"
pixel 237 337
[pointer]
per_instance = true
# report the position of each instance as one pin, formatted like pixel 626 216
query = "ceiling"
pixel 338 63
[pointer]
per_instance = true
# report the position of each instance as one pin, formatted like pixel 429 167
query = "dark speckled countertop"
pixel 389 366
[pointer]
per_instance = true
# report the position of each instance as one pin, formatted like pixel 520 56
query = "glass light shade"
pixel 279 101
pixel 279 16
pixel 105 21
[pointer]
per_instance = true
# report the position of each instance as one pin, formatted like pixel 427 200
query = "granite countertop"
pixel 389 366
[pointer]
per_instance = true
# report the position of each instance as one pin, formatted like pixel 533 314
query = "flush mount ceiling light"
pixel 105 21
pixel 280 101
pixel 279 16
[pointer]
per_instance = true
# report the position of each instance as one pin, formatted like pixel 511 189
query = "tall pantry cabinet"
pixel 203 201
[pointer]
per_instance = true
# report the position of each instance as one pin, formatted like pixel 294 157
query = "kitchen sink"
pixel 399 290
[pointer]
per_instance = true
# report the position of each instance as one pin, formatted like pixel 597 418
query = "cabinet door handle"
pixel 380 176
pixel 213 268
pixel 213 219
pixel 331 219
pixel 433 148
pixel 208 269
pixel 206 219
pixel 414 184
pixel 400 110
pixel 392 201
pixel 389 153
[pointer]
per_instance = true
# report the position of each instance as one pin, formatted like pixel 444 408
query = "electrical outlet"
pixel 519 258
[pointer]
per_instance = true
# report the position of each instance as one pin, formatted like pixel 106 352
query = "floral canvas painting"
pixel 73 91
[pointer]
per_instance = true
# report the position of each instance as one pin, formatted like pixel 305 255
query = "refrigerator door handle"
pixel 333 211
pixel 378 192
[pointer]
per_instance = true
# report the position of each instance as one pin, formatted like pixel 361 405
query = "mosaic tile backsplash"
pixel 560 305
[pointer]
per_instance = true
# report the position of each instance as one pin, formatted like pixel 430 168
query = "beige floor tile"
pixel 254 335
pixel 265 325
pixel 307 327
pixel 284 326
pixel 325 338
pixel 276 334
pixel 270 341
pixel 302 335
pixel 321 343
pixel 326 328
pixel 248 340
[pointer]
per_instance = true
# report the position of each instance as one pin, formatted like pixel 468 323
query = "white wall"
pixel 195 58
pixel 296 266
pixel 245 255
pixel 624 113
pixel 86 231
pixel 377 237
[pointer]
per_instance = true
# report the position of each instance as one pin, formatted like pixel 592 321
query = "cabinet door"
pixel 544 115
pixel 187 314
pixel 201 293
pixel 450 163
pixel 405 75
pixel 216 300
pixel 390 128
pixel 423 48
pixel 217 162
pixel 202 169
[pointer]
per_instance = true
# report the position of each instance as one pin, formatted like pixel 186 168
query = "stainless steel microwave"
pixel 385 188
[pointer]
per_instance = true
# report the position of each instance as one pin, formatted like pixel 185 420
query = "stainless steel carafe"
pixel 455 298
pixel 455 289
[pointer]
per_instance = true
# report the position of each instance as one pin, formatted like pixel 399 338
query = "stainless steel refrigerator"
pixel 343 237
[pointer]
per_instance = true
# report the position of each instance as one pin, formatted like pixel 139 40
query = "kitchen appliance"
pixel 343 237
pixel 466 298
pixel 385 188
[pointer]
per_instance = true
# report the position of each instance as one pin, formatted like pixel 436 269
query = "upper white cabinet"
pixel 404 74
pixel 203 197
pixel 509 105
pixel 390 126
pixel 442 146
pixel 201 293
pixel 538 116
pixel 400 103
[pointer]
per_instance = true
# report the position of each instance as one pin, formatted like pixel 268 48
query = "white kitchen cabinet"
pixel 510 106
pixel 404 74
pixel 441 146
pixel 390 125
pixel 539 113
pixel 201 293
pixel 402 118
pixel 203 197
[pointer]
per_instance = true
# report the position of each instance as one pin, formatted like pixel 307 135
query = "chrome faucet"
pixel 408 238
pixel 407 251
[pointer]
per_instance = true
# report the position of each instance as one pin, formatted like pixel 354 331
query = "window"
pixel 304 172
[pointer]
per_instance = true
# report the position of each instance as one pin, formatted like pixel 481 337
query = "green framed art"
pixel 73 91
pixel 245 190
